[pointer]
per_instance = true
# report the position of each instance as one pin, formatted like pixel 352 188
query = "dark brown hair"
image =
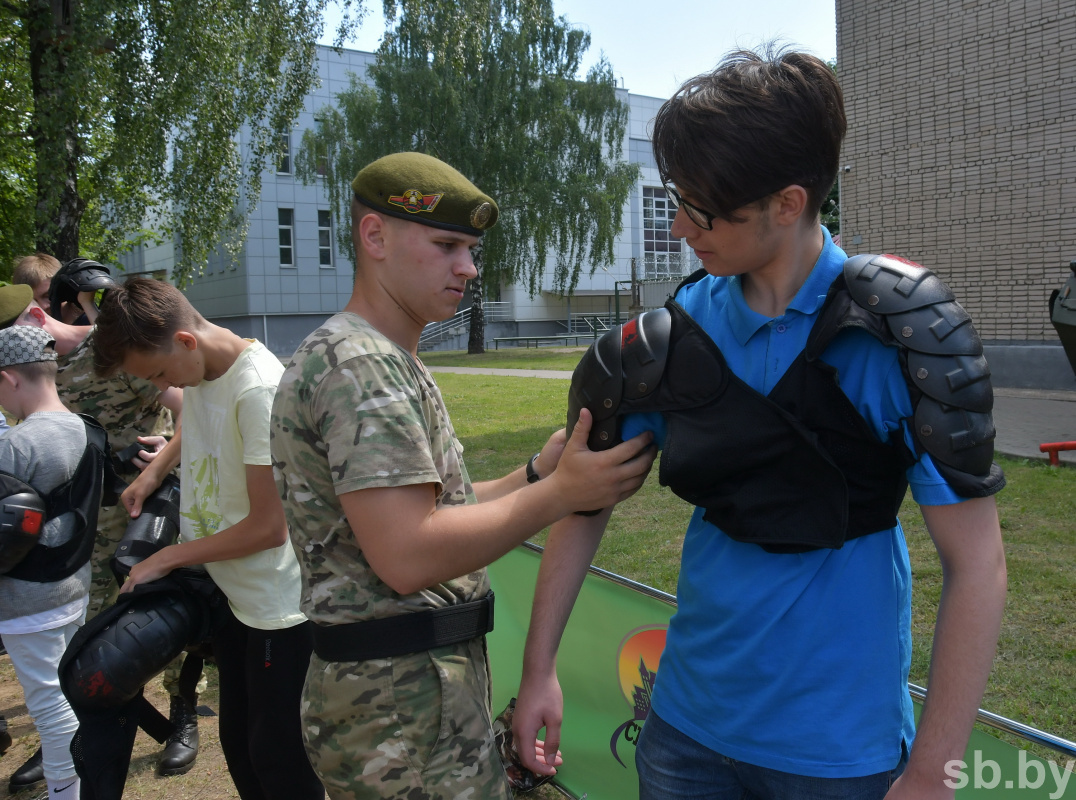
pixel 756 124
pixel 141 315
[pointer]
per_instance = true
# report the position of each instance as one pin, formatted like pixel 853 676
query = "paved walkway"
pixel 1024 418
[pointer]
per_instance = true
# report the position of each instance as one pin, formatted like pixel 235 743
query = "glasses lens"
pixel 674 198
pixel 694 214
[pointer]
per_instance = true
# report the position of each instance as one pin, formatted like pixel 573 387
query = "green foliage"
pixel 491 87
pixel 831 209
pixel 16 152
pixel 123 115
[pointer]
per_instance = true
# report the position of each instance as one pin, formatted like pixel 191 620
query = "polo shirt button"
pixel 780 328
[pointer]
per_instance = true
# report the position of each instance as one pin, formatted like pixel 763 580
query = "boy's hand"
pixel 154 567
pixel 135 495
pixel 588 480
pixel 540 705
pixel 143 458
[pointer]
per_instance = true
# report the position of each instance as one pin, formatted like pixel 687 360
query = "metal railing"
pixel 437 332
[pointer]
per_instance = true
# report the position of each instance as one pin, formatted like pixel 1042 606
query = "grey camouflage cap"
pixel 25 344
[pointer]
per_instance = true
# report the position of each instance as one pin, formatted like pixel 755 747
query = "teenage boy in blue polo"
pixel 791 430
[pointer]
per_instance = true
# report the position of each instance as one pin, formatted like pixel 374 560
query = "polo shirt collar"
pixel 745 322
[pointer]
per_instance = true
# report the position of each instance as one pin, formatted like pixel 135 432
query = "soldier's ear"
pixel 372 235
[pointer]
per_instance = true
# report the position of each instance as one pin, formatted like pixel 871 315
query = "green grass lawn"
pixel 502 421
pixel 562 358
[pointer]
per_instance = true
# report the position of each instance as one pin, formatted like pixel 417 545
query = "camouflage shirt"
pixel 124 406
pixel 355 411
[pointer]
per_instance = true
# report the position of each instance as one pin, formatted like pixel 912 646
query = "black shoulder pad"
pixel 627 362
pixel 889 285
pixel 944 366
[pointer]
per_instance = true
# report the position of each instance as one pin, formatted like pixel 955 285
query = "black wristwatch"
pixel 532 473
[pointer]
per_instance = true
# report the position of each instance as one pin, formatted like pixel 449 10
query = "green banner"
pixel 608 659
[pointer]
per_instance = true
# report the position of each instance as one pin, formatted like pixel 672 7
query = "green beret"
pixel 421 188
pixel 13 301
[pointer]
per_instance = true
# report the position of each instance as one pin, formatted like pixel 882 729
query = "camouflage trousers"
pixel 415 727
pixel 111 525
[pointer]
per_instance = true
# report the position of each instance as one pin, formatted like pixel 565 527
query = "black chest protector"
pixel 23 513
pixel 800 469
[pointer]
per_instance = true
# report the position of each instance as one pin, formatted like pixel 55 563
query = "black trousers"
pixel 261 682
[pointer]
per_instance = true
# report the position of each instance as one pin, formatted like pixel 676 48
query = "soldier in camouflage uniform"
pixel 382 513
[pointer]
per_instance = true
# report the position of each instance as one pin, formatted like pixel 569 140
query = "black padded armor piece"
pixel 624 364
pixel 94 483
pixel 942 355
pixel 152 530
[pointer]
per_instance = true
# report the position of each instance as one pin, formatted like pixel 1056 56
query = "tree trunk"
pixel 59 208
pixel 476 339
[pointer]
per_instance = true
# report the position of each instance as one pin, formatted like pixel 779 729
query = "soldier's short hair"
pixel 141 315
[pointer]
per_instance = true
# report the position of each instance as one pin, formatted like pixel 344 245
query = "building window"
pixel 321 154
pixel 284 228
pixel 662 256
pixel 325 239
pixel 283 158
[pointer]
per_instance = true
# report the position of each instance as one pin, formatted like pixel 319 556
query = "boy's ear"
pixel 790 204
pixel 35 314
pixel 10 378
pixel 186 340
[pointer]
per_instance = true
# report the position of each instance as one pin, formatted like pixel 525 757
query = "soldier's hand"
pixel 588 480
pixel 551 453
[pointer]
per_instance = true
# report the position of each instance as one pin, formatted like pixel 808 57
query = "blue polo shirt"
pixel 796 662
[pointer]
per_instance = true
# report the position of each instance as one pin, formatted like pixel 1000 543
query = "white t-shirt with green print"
pixel 225 428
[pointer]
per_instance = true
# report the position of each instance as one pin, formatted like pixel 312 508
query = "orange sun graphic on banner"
pixel 645 644
pixel 637 667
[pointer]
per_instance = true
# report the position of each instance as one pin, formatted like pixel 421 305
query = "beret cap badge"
pixel 413 201
pixel 480 216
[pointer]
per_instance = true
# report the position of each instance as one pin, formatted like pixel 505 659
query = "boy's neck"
pixel 770 289
pixel 38 398
pixel 220 347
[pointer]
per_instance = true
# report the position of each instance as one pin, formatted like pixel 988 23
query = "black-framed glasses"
pixel 703 219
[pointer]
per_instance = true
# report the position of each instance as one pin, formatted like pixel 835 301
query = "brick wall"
pixel 961 147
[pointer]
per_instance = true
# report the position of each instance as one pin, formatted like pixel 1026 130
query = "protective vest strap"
pixel 82 495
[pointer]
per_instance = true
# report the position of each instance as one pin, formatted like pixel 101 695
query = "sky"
pixel 654 46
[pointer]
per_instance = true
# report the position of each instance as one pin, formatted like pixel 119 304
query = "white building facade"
pixel 290 274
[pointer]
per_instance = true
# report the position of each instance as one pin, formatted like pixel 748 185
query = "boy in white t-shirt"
pixel 231 521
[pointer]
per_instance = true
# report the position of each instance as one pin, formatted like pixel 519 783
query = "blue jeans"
pixel 673 766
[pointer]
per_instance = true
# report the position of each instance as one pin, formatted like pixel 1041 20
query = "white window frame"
pixel 325 239
pixel 286 237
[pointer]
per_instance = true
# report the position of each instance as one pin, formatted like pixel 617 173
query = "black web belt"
pixel 404 633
